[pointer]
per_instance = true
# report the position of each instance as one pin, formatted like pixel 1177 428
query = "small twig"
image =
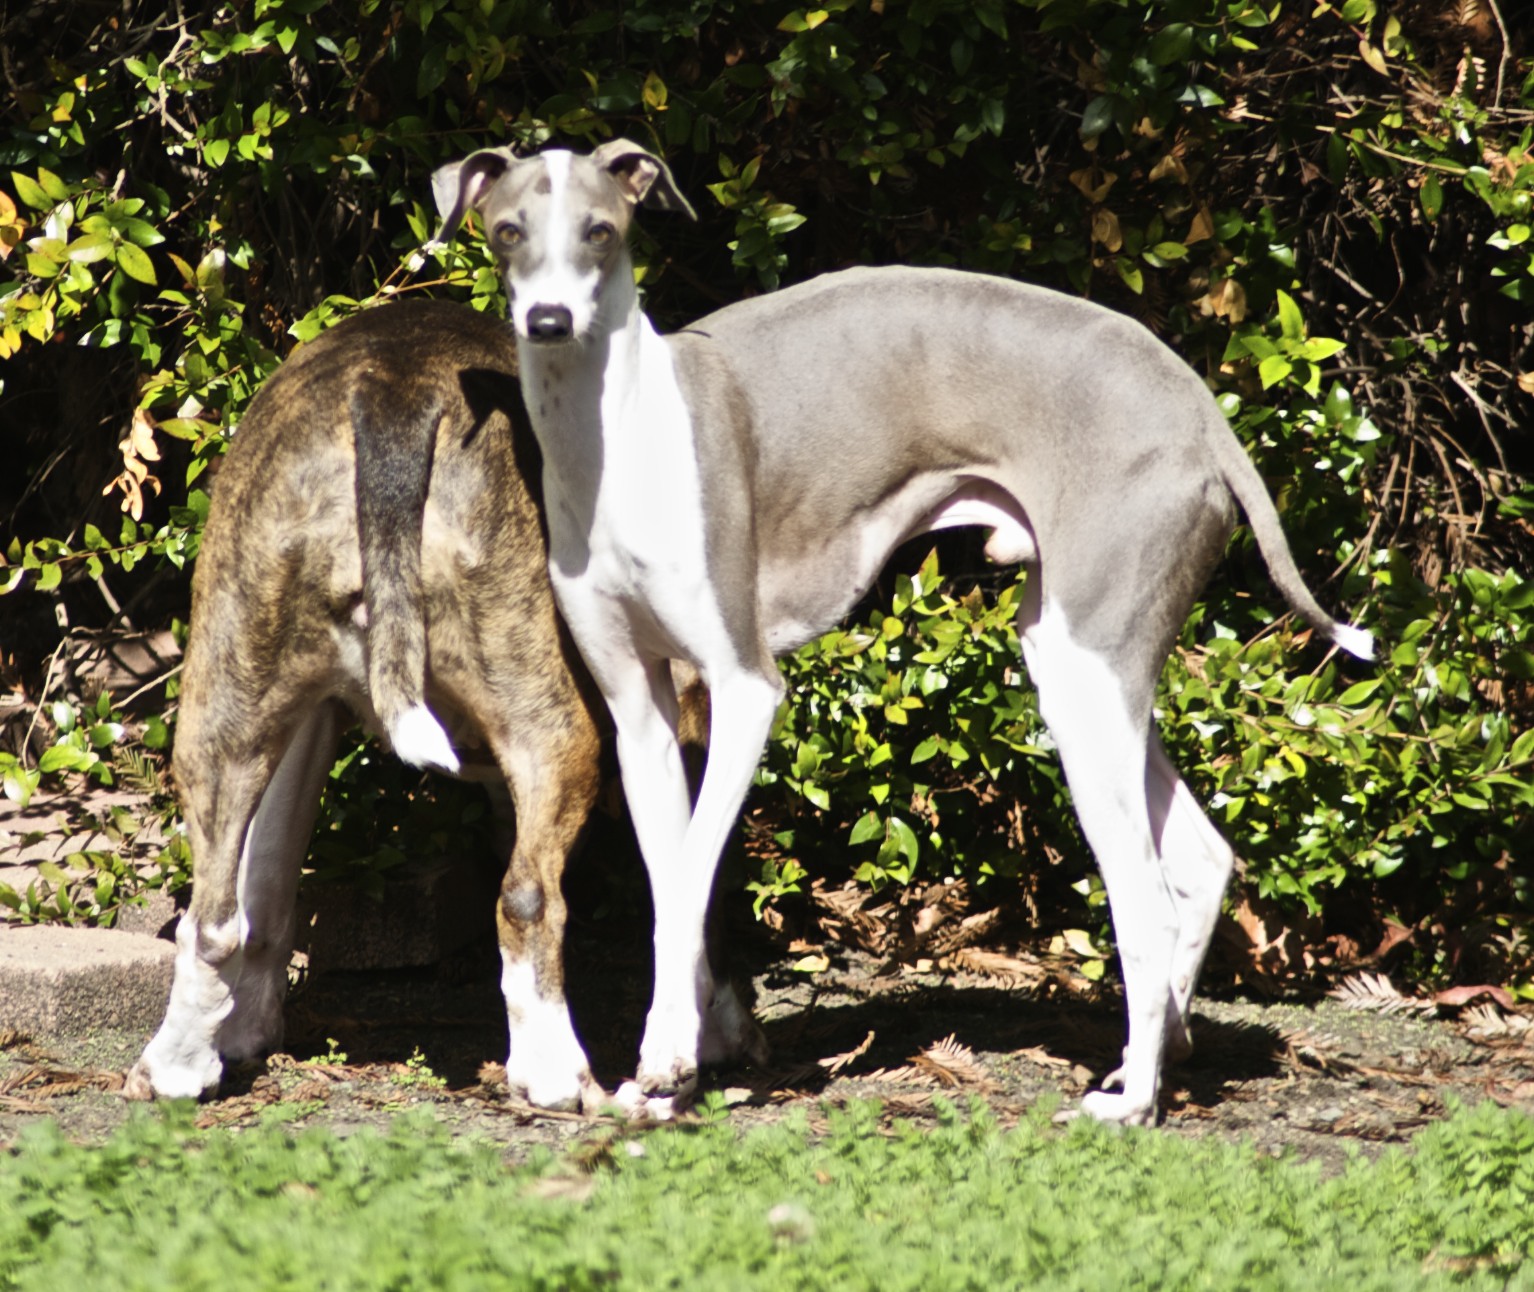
pixel 1485 410
pixel 150 686
pixel 1496 13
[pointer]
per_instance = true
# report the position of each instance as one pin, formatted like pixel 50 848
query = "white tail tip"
pixel 418 738
pixel 1354 640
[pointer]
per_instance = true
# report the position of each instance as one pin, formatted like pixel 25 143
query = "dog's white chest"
pixel 627 531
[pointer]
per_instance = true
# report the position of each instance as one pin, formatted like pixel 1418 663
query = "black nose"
pixel 549 323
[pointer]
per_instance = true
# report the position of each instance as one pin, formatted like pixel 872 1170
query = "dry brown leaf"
pixel 1225 299
pixel 563 1188
pixel 968 931
pixel 953 1064
pixel 1486 1021
pixel 1007 970
pixel 1039 1055
pixel 1105 229
pixel 1271 942
pixel 839 1061
pixel 1093 182
pixel 137 447
pixel 1376 993
pixel 907 1076
pixel 1456 996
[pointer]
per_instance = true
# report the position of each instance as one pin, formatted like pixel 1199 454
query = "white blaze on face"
pixel 556 276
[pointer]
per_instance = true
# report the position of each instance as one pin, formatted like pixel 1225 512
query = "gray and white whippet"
pixel 726 493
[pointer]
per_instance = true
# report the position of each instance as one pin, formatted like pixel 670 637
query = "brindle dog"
pixel 374 545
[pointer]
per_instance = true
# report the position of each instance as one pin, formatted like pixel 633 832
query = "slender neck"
pixel 576 393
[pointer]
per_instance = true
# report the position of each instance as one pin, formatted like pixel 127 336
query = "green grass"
pixel 868 1204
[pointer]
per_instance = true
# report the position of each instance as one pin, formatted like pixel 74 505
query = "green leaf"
pixel 52 185
pixel 140 232
pixel 868 826
pixel 135 262
pixel 1273 370
pixel 90 248
pixel 1356 695
pixel 30 191
pixel 1431 196
pixel 64 757
pixel 1097 117
pixel 904 839
pixel 432 71
pixel 1290 321
pixel 1172 44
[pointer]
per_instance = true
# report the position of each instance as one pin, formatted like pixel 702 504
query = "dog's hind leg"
pixel 1197 861
pixel 271 859
pixel 1101 727
pixel 249 816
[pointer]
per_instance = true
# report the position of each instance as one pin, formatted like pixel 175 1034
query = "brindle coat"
pixel 374 541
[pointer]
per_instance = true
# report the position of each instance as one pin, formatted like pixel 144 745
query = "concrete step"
pixel 57 980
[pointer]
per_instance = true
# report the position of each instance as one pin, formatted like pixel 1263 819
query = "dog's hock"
pixel 418 738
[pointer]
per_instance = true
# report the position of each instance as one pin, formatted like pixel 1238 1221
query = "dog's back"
pixel 380 465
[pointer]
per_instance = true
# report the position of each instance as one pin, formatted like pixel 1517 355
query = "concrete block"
pixel 426 912
pixel 62 981
pixel 157 917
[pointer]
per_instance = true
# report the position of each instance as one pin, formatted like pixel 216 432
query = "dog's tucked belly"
pixel 805 593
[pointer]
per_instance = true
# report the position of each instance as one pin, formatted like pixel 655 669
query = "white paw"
pixel 559 1090
pixel 668 1054
pixel 186 1077
pixel 1118 1109
pixel 546 1062
pixel 637 1106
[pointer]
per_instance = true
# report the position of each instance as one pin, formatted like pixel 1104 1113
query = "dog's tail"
pixel 1243 480
pixel 395 442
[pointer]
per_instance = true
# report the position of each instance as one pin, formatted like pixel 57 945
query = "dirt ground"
pixel 1319 1079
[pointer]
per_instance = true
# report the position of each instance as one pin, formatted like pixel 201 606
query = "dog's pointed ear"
pixel 459 186
pixel 642 176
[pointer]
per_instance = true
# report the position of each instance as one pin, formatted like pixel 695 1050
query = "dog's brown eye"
pixel 507 234
pixel 599 235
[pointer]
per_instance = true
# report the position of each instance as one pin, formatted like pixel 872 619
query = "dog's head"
pixel 558 224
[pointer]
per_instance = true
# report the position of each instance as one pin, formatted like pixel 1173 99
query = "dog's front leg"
pixel 552 773
pixel 692 1018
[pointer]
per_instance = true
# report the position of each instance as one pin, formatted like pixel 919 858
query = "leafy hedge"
pixel 1325 207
